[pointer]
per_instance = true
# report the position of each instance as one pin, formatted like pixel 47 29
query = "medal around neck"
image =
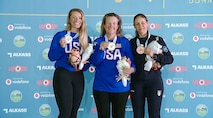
pixel 68 39
pixel 111 46
pixel 140 49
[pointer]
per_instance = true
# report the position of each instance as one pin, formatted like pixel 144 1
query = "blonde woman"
pixel 66 50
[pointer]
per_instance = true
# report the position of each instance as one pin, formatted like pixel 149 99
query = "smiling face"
pixel 141 25
pixel 75 21
pixel 111 25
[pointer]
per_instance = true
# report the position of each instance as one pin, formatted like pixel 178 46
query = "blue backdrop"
pixel 27 28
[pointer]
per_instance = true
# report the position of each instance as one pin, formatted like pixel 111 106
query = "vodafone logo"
pixel 10 27
pixel 40 39
pixel 91 69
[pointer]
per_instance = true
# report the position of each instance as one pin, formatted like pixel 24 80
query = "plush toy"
pixel 123 63
pixel 85 56
pixel 157 49
pixel 74 58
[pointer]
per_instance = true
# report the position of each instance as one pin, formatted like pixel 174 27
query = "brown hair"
pixel 119 31
pixel 139 15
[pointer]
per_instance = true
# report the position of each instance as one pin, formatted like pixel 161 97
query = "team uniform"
pixel 106 88
pixel 68 83
pixel 148 84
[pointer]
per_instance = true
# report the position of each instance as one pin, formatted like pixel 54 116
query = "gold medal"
pixel 140 49
pixel 111 46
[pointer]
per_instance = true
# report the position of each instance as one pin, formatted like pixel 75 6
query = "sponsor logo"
pixel 127 26
pixel 202 82
pixel 204 25
pixel 180 53
pixel 154 26
pixel 45 110
pixel 200 1
pixel 45 53
pixel 201 110
pixel 203 37
pixel 179 96
pixel 48 26
pixel 16 96
pixel 16 81
pixel 15 110
pixel 11 27
pixel 176 81
pixel 18 68
pixel 19 54
pixel 98 26
pixel 45 67
pixel 46 38
pixel 177 25
pixel 178 68
pixel 177 38
pixel 19 41
pixel 176 110
pixel 203 53
pixel 43 95
pixel 194 95
pixel 202 67
pixel 45 82
pixel 91 69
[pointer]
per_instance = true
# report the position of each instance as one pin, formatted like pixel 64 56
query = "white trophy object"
pixel 156 48
pixel 85 56
pixel 122 63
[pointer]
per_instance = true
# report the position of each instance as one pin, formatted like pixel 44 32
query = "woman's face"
pixel 76 20
pixel 111 25
pixel 141 25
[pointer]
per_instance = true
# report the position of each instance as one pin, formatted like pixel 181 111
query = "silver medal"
pixel 111 46
pixel 68 39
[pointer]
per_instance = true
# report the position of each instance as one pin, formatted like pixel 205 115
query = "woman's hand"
pixel 63 42
pixel 128 71
pixel 149 52
pixel 104 45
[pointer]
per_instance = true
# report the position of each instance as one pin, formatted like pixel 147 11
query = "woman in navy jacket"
pixel 147 83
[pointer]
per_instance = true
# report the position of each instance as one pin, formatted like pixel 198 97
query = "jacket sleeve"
pixel 129 54
pixel 55 51
pixel 166 57
pixel 98 55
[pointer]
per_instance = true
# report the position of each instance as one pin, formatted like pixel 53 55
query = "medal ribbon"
pixel 114 40
pixel 68 47
pixel 139 44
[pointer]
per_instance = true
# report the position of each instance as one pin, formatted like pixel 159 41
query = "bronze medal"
pixel 140 49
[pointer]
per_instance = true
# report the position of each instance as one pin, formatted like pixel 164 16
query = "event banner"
pixel 26 74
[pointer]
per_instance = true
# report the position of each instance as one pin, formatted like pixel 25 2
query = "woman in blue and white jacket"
pixel 68 81
pixel 110 47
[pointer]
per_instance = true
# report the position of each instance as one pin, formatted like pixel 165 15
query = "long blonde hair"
pixel 83 37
